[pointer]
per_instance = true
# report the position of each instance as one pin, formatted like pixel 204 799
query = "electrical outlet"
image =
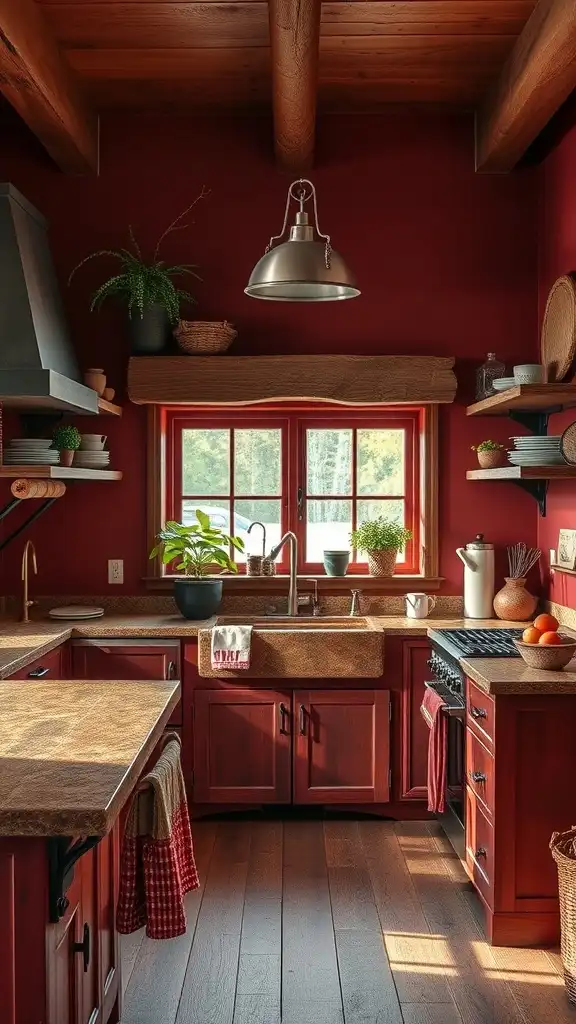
pixel 115 570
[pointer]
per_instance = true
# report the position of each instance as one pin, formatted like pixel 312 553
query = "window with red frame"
pixel 317 475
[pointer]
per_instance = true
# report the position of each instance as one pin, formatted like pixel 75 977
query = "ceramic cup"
pixel 419 606
pixel 529 373
pixel 93 442
pixel 336 562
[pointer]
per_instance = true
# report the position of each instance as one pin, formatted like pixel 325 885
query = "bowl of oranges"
pixel 543 647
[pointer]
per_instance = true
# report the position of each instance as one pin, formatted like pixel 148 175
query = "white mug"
pixel 419 606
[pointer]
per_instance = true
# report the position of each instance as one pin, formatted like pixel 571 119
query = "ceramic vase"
pixel 108 394
pixel 514 602
pixel 382 563
pixel 197 598
pixel 490 459
pixel 151 331
pixel 336 562
pixel 95 379
pixel 66 456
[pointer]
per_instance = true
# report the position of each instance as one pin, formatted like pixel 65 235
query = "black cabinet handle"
pixel 84 947
pixel 37 673
pixel 302 720
pixel 477 776
pixel 477 712
pixel 480 852
pixel 171 670
pixel 283 711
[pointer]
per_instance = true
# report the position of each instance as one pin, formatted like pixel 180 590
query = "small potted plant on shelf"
pixel 490 454
pixel 381 539
pixel 148 289
pixel 195 550
pixel 67 441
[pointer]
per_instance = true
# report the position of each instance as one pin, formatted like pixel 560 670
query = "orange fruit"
pixel 546 623
pixel 531 635
pixel 550 639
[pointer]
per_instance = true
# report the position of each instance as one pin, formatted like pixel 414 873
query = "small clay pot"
pixel 66 456
pixel 95 379
pixel 108 394
pixel 490 459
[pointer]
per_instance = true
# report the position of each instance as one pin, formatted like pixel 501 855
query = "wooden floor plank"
pixel 536 986
pixel 432 1013
pixel 255 1009
pixel 154 990
pixel 129 949
pixel 421 966
pixel 368 991
pixel 343 844
pixel 397 902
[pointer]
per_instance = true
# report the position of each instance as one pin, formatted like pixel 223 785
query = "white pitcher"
pixel 419 606
pixel 478 558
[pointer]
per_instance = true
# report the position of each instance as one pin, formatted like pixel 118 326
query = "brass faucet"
pixel 26 603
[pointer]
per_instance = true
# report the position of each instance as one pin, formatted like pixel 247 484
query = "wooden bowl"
pixel 550 658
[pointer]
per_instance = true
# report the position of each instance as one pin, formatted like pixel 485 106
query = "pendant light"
pixel 305 267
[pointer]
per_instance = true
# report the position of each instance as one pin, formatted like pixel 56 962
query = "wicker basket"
pixel 204 337
pixel 563 847
pixel 382 563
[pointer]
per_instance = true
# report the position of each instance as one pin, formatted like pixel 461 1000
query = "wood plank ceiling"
pixel 147 54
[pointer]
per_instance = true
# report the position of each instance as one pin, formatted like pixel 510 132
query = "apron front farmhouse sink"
pixel 302 648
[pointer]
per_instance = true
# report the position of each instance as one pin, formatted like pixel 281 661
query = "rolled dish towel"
pixel 431 710
pixel 231 647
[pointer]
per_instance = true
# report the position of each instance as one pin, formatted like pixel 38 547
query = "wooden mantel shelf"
pixel 523 473
pixel 242 380
pixel 57 473
pixel 526 398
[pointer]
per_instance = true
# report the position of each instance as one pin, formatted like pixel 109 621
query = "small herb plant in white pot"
pixel 381 539
pixel 490 454
pixel 67 441
pixel 195 550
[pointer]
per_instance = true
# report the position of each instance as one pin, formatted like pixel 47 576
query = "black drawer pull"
pixel 171 670
pixel 477 776
pixel 83 947
pixel 478 712
pixel 480 852
pixel 38 673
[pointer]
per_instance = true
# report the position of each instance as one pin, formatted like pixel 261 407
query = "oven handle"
pixel 450 710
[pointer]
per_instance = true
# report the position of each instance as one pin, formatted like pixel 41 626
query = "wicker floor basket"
pixel 204 337
pixel 563 847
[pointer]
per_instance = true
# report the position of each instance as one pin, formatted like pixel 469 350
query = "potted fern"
pixel 147 287
pixel 195 550
pixel 381 539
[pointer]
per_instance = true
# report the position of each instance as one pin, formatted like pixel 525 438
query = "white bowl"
pixel 529 373
pixel 503 383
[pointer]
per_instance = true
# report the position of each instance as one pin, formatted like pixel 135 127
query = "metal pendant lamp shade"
pixel 305 267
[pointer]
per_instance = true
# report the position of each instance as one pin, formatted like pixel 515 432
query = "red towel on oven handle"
pixel 157 865
pixel 437 722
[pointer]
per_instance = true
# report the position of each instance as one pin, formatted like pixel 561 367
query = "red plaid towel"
pixel 431 709
pixel 231 647
pixel 157 866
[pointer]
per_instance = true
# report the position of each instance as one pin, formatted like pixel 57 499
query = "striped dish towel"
pixel 231 647
pixel 157 866
pixel 431 710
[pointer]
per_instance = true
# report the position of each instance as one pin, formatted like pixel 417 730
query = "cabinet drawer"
pixel 480 713
pixel 480 771
pixel 479 847
pixel 49 666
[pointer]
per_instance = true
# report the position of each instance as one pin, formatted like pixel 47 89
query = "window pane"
pixel 328 526
pixel 219 514
pixel 380 461
pixel 329 461
pixel 257 459
pixel 205 461
pixel 262 511
pixel 393 510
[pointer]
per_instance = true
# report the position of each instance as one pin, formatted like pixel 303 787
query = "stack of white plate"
pixel 76 611
pixel 24 451
pixel 536 451
pixel 84 459
pixel 503 383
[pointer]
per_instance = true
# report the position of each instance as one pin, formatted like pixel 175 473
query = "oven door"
pixel 453 819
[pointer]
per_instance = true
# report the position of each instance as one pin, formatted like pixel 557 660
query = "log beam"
pixel 36 81
pixel 538 76
pixel 294 42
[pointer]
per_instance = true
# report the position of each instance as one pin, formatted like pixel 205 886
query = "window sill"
pixel 401 584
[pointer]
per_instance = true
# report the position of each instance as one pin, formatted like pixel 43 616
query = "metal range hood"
pixel 38 368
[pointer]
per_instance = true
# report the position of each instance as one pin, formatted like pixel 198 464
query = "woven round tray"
pixel 563 847
pixel 204 337
pixel 558 337
pixel 568 444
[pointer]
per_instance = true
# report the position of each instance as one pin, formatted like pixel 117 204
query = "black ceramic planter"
pixel 197 599
pixel 151 331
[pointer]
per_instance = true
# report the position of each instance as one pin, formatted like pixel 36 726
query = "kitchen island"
pixel 71 753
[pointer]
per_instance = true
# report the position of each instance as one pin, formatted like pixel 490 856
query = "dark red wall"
pixel 446 260
pixel 557 255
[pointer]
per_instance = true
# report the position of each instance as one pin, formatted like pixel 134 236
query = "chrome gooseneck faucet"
pixel 293 588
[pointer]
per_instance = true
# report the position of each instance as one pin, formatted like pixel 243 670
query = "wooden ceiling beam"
pixel 39 85
pixel 538 76
pixel 294 43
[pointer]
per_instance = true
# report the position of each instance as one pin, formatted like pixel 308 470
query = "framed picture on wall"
pixel 567 549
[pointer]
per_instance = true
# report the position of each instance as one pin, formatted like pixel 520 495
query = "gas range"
pixel 449 646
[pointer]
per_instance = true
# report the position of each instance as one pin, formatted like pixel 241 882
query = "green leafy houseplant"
pixel 381 539
pixel 195 550
pixel 66 439
pixel 489 453
pixel 487 446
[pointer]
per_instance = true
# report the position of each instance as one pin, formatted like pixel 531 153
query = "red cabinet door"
pixel 102 659
pixel 242 746
pixel 49 666
pixel 107 879
pixel 342 746
pixel 415 732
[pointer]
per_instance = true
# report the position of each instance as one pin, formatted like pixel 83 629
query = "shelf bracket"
pixel 27 522
pixel 538 489
pixel 61 860
pixel 536 422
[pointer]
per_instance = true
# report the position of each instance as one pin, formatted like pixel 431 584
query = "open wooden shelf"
pixel 523 473
pixel 108 408
pixel 526 398
pixel 57 473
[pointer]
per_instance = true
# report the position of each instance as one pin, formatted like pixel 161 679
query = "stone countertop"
pixel 71 752
pixel 511 676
